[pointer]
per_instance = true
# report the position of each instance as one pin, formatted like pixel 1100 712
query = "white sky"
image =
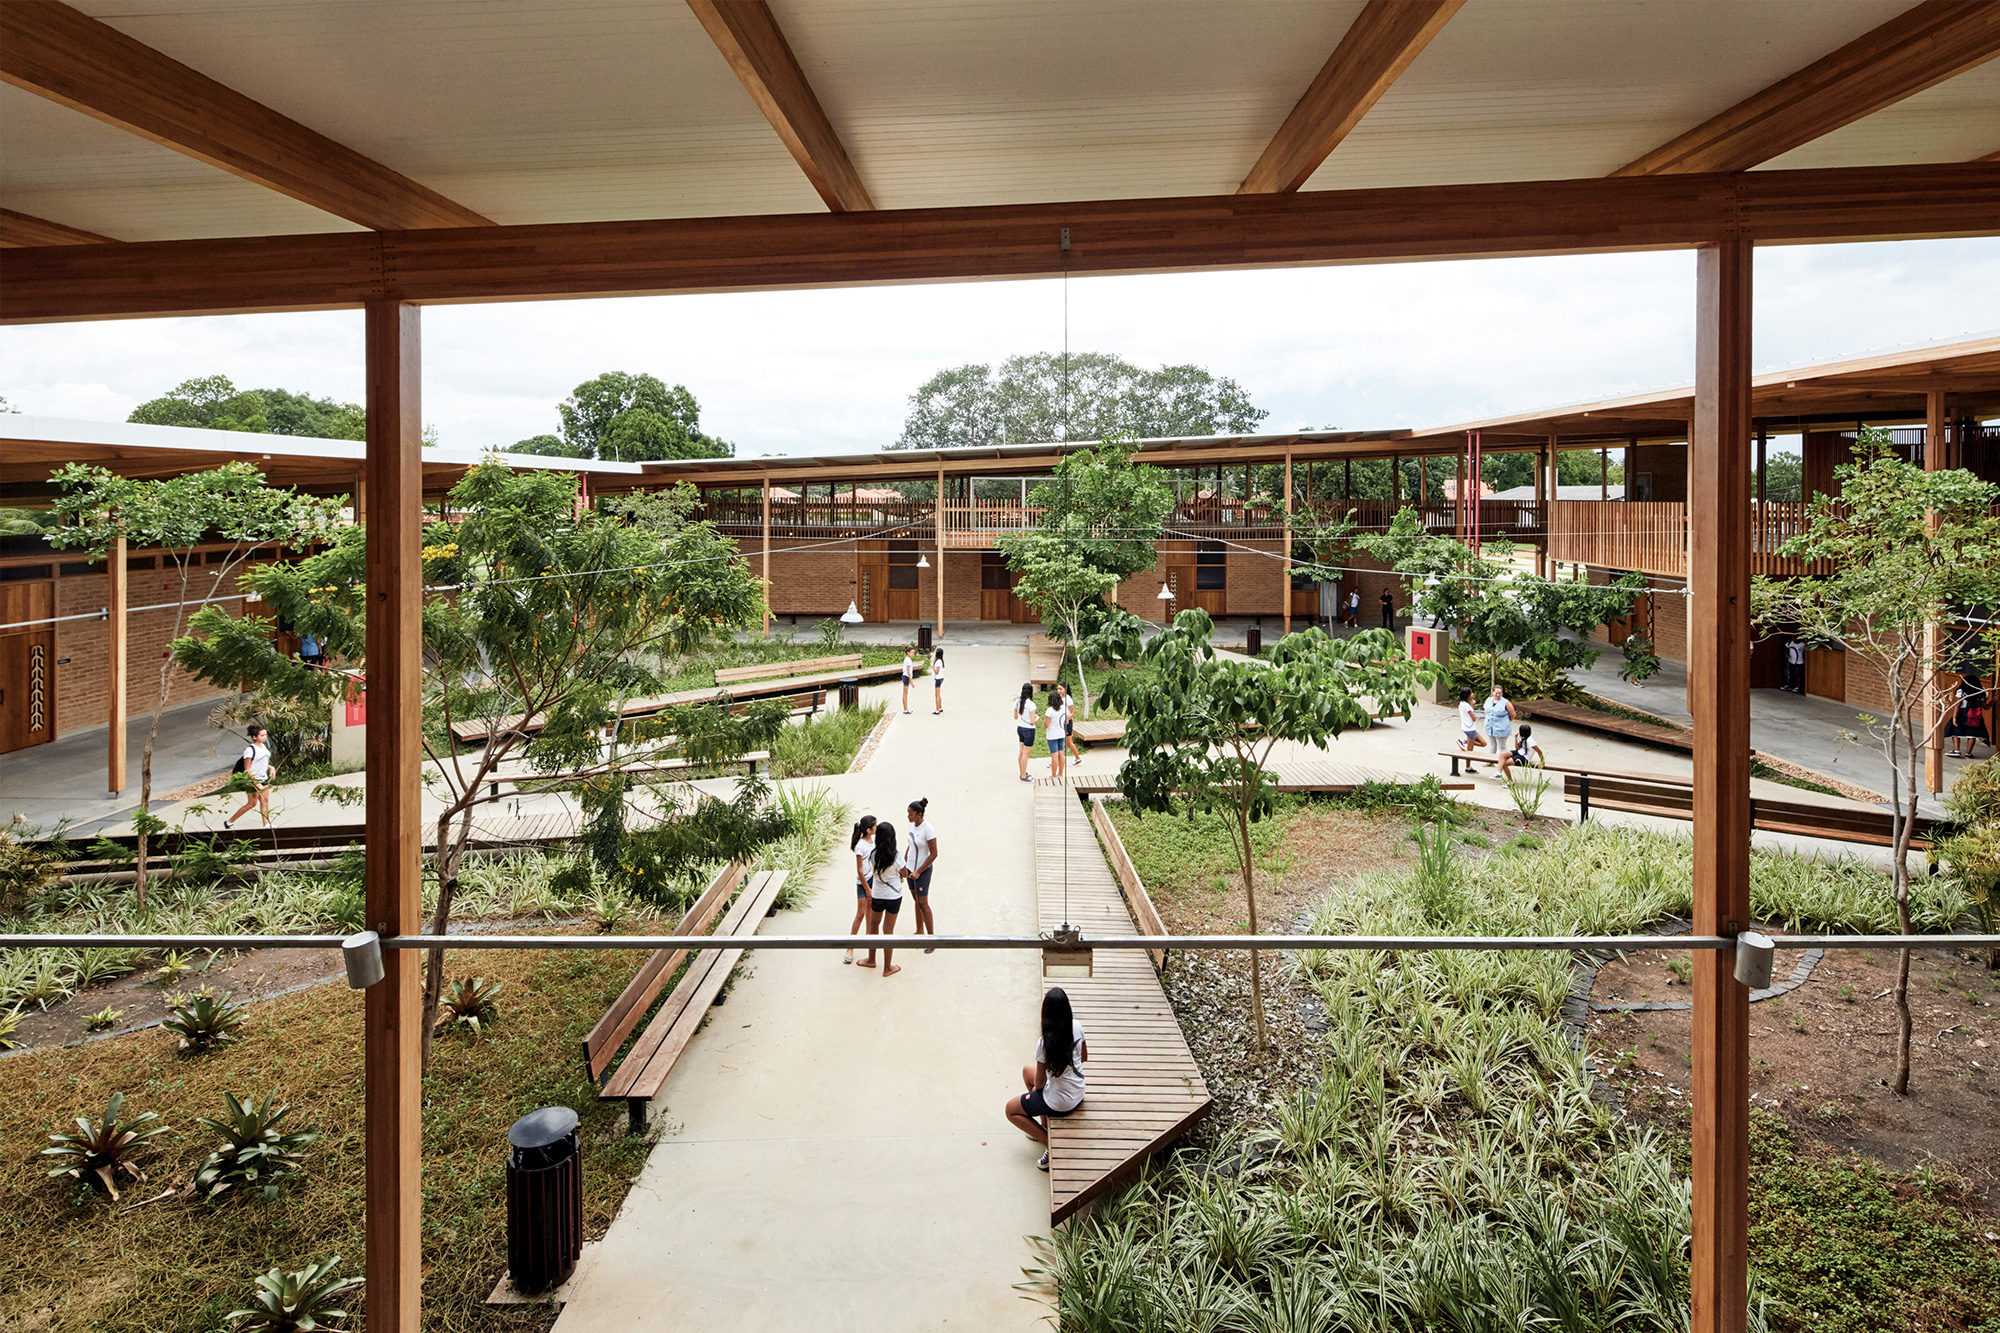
pixel 831 371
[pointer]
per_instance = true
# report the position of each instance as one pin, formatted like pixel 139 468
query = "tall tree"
pixel 1910 550
pixel 1199 728
pixel 1085 396
pixel 213 403
pixel 539 624
pixel 228 504
pixel 625 418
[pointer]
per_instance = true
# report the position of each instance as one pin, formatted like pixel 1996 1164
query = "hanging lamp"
pixel 851 616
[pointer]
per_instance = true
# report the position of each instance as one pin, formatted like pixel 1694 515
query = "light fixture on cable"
pixel 1166 593
pixel 851 616
pixel 923 562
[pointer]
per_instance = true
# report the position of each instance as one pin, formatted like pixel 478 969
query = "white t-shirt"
pixel 909 670
pixel 885 883
pixel 257 761
pixel 1024 714
pixel 1065 1090
pixel 1466 719
pixel 1058 722
pixel 937 669
pixel 864 846
pixel 918 846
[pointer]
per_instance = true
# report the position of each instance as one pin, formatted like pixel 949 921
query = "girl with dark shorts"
pixel 1024 726
pixel 885 894
pixel 861 842
pixel 1055 1079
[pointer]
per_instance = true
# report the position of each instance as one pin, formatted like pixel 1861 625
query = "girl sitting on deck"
pixel 1055 1079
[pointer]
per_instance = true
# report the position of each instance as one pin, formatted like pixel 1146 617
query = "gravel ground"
pixel 1210 993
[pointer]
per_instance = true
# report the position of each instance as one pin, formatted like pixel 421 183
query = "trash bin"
pixel 1253 641
pixel 923 638
pixel 544 1199
pixel 850 692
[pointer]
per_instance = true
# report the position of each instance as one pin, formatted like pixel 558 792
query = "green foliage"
pixel 1109 507
pixel 1084 396
pixel 469 1002
pixel 1641 662
pixel 1110 635
pixel 229 503
pixel 832 633
pixel 103 1020
pixel 10 1023
pixel 213 403
pixel 204 1021
pixel 255 1154
pixel 628 419
pixel 1425 800
pixel 296 1302
pixel 1519 678
pixel 1528 792
pixel 819 823
pixel 102 1150
pixel 298 722
pixel 1439 890
pixel 822 745
pixel 25 522
pixel 28 871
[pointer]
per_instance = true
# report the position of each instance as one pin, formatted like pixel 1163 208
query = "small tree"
pixel 1057 577
pixel 228 504
pixel 1909 550
pixel 1200 727
pixel 539 625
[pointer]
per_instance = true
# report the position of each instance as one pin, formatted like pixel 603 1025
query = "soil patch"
pixel 1823 1056
pixel 143 997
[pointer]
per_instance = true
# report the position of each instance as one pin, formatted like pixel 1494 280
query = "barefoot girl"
pixel 885 895
pixel 861 842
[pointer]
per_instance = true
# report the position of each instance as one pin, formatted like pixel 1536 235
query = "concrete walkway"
pixel 65 779
pixel 834 1154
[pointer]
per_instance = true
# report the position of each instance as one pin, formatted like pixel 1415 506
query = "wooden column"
pixel 1719 699
pixel 1936 459
pixel 937 530
pixel 1544 503
pixel 1285 584
pixel 361 496
pixel 767 552
pixel 114 621
pixel 1604 473
pixel 393 1007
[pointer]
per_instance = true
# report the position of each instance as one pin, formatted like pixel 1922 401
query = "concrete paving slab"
pixel 65 779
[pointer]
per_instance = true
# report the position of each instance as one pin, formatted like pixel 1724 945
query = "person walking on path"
pixel 1054 1081
pixel 1058 732
pixel 1388 610
pixel 1525 753
pixel 909 674
pixel 918 858
pixel 256 762
pixel 1024 726
pixel 1070 752
pixel 1968 718
pixel 1499 719
pixel 885 895
pixel 1354 608
pixel 1468 723
pixel 937 681
pixel 310 651
pixel 1795 666
pixel 861 842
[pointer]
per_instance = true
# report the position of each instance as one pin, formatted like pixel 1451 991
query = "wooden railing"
pixel 1143 912
pixel 817 518
pixel 979 525
pixel 1651 537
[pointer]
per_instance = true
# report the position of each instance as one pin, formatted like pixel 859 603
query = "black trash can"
pixel 850 692
pixel 544 1199
pixel 1253 641
pixel 923 638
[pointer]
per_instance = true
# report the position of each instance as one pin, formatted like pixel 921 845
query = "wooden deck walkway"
pixel 1144 1085
pixel 1309 775
pixel 1589 719
pixel 1045 659
pixel 1101 731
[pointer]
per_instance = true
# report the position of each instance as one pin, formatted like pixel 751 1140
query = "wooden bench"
pixel 809 697
pixel 1589 719
pixel 804 666
pixel 640 1075
pixel 526 783
pixel 1045 659
pixel 1672 798
pixel 1103 731
pixel 602 1042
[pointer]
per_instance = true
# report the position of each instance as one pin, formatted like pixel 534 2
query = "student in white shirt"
pixel 861 842
pixel 256 762
pixel 1058 732
pixel 1024 726
pixel 885 895
pixel 1468 723
pixel 1055 1079
pixel 1070 751
pixel 909 675
pixel 937 681
pixel 919 855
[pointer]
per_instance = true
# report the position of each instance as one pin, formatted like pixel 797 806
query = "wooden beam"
pixel 767 555
pixel 392 1010
pixel 1384 38
pixel 891 246
pixel 937 531
pixel 18 229
pixel 71 58
pixel 1285 565
pixel 747 34
pixel 1719 698
pixel 1917 49
pixel 1936 459
pixel 114 672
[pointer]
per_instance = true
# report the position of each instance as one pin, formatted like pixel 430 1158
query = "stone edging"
pixel 872 740
pixel 1583 975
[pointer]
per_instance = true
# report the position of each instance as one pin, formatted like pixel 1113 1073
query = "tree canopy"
pixel 213 403
pixel 626 418
pixel 1092 396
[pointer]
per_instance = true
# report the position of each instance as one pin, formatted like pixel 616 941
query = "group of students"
pixel 885 873
pixel 937 679
pixel 1494 727
pixel 1062 740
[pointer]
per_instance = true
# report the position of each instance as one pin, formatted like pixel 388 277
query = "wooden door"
pixel 901 603
pixel 27 689
pixel 1767 662
pixel 1215 603
pixel 996 604
pixel 871 580
pixel 1826 673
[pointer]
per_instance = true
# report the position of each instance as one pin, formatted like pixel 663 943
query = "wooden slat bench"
pixel 640 1075
pixel 1045 659
pixel 1589 719
pixel 1102 731
pixel 601 1044
pixel 808 698
pixel 803 666
pixel 1672 798
pixel 527 784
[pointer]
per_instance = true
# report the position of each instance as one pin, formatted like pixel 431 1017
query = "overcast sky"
pixel 831 371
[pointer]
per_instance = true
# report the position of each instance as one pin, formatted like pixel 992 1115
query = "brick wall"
pixel 807 577
pixel 82 696
pixel 1256 579
pixel 1140 595
pixel 1668 465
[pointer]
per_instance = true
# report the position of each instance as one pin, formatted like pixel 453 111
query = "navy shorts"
pixel 921 884
pixel 1032 1104
pixel 1026 735
pixel 861 888
pixel 888 905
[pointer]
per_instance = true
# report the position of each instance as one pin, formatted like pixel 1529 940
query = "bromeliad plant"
pixel 205 1020
pixel 103 1149
pixel 298 1302
pixel 255 1154
pixel 468 1003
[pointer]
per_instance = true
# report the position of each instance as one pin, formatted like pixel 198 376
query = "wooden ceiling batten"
pixel 1385 37
pixel 1916 50
pixel 68 57
pixel 747 34
pixel 18 229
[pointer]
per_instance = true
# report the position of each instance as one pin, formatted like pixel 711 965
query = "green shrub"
pixel 101 1150
pixel 204 1021
pixel 825 744
pixel 469 1003
pixel 296 1302
pixel 1521 680
pixel 255 1154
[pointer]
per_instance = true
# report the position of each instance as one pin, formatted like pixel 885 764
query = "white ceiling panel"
pixel 999 101
pixel 1563 89
pixel 1957 121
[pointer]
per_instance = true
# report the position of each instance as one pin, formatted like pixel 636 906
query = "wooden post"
pixel 114 622
pixel 1719 699
pixel 1285 578
pixel 1935 460
pixel 1423 489
pixel 1604 473
pixel 1544 503
pixel 1763 439
pixel 767 552
pixel 393 1007
pixel 937 529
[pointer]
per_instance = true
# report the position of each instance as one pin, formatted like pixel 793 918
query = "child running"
pixel 885 895
pixel 918 859
pixel 860 842
pixel 1024 726
pixel 1055 1079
